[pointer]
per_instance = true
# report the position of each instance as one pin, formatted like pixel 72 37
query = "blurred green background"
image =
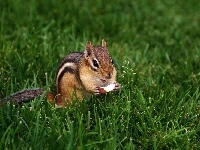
pixel 155 46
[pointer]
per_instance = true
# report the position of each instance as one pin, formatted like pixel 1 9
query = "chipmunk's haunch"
pixel 84 73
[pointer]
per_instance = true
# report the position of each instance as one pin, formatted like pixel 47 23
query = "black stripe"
pixel 71 58
pixel 66 69
pixel 67 60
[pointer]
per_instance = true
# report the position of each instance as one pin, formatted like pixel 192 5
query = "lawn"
pixel 156 48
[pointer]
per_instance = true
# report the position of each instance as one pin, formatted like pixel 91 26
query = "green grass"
pixel 156 48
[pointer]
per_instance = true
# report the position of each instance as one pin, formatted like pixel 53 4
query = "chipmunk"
pixel 79 75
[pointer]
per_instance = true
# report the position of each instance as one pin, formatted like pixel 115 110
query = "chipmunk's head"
pixel 100 63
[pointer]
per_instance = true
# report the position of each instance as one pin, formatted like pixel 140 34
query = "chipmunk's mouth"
pixel 103 80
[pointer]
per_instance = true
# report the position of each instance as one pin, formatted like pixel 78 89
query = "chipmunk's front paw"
pixel 117 86
pixel 96 90
pixel 99 90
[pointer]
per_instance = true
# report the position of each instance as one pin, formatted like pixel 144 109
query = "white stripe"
pixel 67 64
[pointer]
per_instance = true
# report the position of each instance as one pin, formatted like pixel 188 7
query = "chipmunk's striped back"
pixel 69 64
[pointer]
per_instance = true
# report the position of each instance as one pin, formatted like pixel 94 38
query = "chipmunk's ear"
pixel 103 43
pixel 88 49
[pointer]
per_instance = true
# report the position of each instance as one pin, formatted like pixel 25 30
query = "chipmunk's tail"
pixel 23 96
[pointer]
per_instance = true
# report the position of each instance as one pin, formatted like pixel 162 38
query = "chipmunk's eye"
pixel 95 63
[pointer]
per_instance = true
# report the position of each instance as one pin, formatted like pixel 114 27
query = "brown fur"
pixel 80 76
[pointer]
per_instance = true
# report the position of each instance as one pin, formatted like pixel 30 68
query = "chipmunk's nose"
pixel 108 76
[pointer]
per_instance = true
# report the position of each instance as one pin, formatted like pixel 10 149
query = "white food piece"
pixel 109 87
